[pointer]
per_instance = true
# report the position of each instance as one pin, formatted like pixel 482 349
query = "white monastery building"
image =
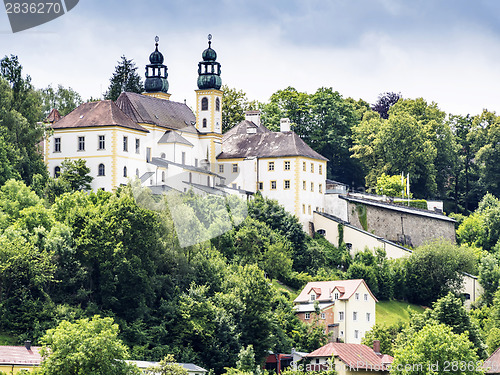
pixel 167 146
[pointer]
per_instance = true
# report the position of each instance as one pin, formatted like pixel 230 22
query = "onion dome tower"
pixel 156 75
pixel 209 104
pixel 209 69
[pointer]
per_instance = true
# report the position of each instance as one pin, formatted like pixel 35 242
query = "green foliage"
pixel 435 348
pixel 234 104
pixel 493 340
pixel 390 186
pixel 84 347
pixel 435 269
pixel 124 79
pixel 362 215
pixel 482 228
pixel 63 99
pixel 167 366
pixel 20 129
pixel 76 173
pixel 246 359
pixel 489 277
pixel 391 313
pixel 386 334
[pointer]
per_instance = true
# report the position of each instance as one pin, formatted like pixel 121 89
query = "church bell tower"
pixel 209 103
pixel 156 84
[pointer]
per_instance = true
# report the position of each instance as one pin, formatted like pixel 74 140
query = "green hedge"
pixel 416 203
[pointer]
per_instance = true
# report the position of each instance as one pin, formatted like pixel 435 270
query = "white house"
pixel 346 308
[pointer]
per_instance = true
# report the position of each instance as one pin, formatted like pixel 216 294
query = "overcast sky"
pixel 447 51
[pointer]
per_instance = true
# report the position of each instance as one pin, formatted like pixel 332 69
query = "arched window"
pixel 204 104
pixel 163 176
pixel 101 170
pixel 162 155
pixel 204 122
pixel 137 172
pixel 217 104
pixel 124 171
pixel 57 171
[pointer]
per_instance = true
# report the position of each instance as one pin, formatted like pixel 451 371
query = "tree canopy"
pixel 124 79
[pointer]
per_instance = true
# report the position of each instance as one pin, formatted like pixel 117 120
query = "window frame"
pixel 234 168
pixel 204 103
pixel 101 142
pixel 221 168
pixel 273 184
pixel 341 316
pixel 101 170
pixel 81 143
pixel 270 166
pixel 57 144
pixel 307 316
pixel 287 165
pixel 137 146
pixel 125 143
pixel 285 187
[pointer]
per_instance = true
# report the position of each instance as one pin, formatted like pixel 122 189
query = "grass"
pixel 390 312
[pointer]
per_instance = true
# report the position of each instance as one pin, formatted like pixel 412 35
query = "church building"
pixel 169 147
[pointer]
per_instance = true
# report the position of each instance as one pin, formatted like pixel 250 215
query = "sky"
pixel 446 51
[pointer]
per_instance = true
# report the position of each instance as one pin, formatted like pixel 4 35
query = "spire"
pixel 156 72
pixel 209 69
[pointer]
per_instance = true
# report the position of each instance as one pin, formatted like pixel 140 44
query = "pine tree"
pixel 125 78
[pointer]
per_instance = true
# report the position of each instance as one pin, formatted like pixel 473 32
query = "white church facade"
pixel 167 146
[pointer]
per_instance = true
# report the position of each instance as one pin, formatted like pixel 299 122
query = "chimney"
pixel 253 116
pixel 285 125
pixel 27 344
pixel 376 346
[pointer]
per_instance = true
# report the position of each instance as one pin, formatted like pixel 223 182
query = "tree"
pixel 386 334
pixel 435 349
pixel 384 102
pixel 76 173
pixel 167 366
pixel 450 310
pixel 20 116
pixel 124 79
pixel 489 277
pixel 234 103
pixel 390 185
pixel 246 360
pixel 85 347
pixel 63 99
pixel 482 228
pixel 435 269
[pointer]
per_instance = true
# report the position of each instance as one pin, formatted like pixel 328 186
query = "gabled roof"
pixel 326 287
pixel 150 110
pixel 245 127
pixel 355 355
pixel 492 364
pixel 269 144
pixel 316 290
pixel 171 136
pixel 53 116
pixel 95 114
pixel 19 355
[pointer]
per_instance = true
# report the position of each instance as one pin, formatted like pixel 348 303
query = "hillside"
pixel 390 312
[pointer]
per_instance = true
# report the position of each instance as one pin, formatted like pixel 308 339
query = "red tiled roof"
pixel 354 355
pixel 347 287
pixel 100 113
pixel 492 364
pixel 316 290
pixel 19 355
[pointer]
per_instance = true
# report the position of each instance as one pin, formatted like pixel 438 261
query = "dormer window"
pixel 336 296
pixel 313 297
